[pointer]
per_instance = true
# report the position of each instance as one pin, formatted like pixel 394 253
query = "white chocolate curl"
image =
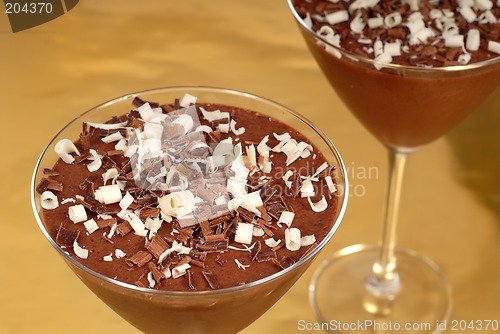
pixel 307 240
pixel 292 239
pixel 105 126
pixel 177 204
pixel 63 149
pixel 49 200
pixel 337 17
pixel 272 243
pixel 79 251
pixel 287 177
pixel 77 213
pixel 91 226
pixel 331 186
pixel 110 174
pixel 187 99
pixel 393 19
pixel 96 161
pixel 319 206
pixel 454 41
pixel 244 233
pixel 286 217
pixel 237 132
pixel 126 201
pixel 180 270
pixel 108 194
pixel 473 40
pixel 494 47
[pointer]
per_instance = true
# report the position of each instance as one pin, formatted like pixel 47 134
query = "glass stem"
pixel 383 283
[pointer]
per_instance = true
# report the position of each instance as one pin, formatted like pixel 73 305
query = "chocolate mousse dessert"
pixel 422 33
pixel 409 70
pixel 188 196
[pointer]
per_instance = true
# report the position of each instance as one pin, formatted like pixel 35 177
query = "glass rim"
pixel 261 281
pixel 346 53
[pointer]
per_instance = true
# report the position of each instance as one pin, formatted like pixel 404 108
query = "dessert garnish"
pixel 427 33
pixel 185 180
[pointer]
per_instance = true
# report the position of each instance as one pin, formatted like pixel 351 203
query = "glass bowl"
pixel 217 311
pixel 404 107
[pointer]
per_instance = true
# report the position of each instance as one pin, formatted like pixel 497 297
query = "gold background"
pixel 104 49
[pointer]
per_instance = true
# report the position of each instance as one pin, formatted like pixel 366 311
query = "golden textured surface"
pixel 103 49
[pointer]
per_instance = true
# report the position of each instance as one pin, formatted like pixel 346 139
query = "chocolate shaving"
pixel 275 210
pixel 215 136
pixel 187 222
pixel 214 247
pixel 205 228
pixel 266 256
pixel 107 162
pixel 48 184
pixel 137 101
pixel 198 263
pixel 184 260
pixel 229 226
pixel 167 108
pixel 135 123
pixel 200 256
pixel 124 228
pixel 157 246
pixel 220 219
pixel 185 235
pixel 82 157
pixel 214 238
pixel 267 192
pixel 149 213
pixel 147 200
pixel 278 246
pixel 262 224
pixel 111 153
pixel 157 274
pixel 296 185
pixel 286 204
pixel 190 280
pixel 85 136
pixel 55 185
pixel 93 205
pixel 140 258
pixel 220 210
pixel 265 216
pixel 50 172
pixel 206 195
pixel 245 214
pixel 42 186
pixel 211 280
pixel 88 184
pixel 66 237
pixel 103 223
pixel 256 250
pixel 284 263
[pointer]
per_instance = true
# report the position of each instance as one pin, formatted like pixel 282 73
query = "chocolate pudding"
pixel 408 70
pixel 188 196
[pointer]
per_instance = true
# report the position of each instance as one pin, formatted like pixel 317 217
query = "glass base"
pixel 343 305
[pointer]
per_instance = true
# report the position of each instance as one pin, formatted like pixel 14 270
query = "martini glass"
pixel 217 311
pixel 405 108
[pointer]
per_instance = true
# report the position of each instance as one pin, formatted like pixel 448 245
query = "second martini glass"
pixel 404 107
